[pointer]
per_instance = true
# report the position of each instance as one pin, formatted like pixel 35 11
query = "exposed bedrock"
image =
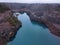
pixel 51 20
pixel 49 14
pixel 9 25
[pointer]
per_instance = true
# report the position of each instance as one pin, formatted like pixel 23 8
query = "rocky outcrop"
pixel 8 26
pixel 49 14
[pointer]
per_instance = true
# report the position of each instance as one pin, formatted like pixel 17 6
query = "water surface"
pixel 33 34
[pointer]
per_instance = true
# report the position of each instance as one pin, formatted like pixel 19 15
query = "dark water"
pixel 33 34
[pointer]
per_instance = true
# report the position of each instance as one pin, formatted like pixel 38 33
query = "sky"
pixel 31 1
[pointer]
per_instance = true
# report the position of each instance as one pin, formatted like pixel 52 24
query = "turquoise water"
pixel 33 34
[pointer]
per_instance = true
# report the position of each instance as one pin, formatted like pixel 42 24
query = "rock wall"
pixel 9 25
pixel 49 14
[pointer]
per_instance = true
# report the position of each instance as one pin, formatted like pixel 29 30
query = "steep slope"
pixel 8 25
pixel 49 14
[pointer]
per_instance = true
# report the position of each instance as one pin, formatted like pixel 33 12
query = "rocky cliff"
pixel 49 14
pixel 8 25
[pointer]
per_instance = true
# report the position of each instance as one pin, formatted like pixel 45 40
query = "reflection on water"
pixel 33 34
